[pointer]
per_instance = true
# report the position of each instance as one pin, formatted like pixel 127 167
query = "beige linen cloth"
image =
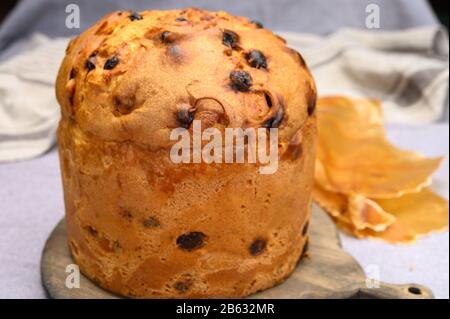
pixel 407 70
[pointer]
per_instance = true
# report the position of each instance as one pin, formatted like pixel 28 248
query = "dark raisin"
pixel 111 63
pixel 191 241
pixel 258 24
pixel 185 115
pixel 230 39
pixel 183 286
pixel 150 222
pixel 135 16
pixel 312 104
pixel 305 228
pixel 275 120
pixel 257 59
pixel 181 19
pixel 241 80
pixel 257 247
pixel 90 63
pixel 415 290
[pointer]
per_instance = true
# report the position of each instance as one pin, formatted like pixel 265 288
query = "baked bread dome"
pixel 139 224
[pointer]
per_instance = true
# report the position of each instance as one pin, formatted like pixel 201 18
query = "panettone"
pixel 143 226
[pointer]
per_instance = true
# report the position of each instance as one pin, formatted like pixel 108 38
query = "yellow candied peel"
pixel 354 156
pixel 402 220
pixel 368 186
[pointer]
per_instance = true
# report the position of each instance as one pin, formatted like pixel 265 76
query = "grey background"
pixel 315 16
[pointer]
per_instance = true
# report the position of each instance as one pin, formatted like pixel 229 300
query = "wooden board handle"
pixel 388 291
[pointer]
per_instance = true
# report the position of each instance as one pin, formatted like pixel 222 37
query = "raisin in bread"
pixel 139 224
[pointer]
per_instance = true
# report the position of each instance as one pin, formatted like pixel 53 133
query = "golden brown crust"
pixel 139 224
pixel 137 99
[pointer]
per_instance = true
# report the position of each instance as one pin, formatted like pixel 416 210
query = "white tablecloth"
pixel 31 204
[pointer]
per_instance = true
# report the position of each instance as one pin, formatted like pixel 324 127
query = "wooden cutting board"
pixel 326 272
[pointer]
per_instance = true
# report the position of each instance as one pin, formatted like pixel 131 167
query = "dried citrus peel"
pixel 354 156
pixel 401 220
pixel 367 214
pixel 369 187
pixel 417 215
pixel 355 210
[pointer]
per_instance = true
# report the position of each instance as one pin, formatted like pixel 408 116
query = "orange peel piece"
pixel 407 218
pixel 417 215
pixel 354 156
pixel 367 214
pixel 358 212
pixel 422 213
